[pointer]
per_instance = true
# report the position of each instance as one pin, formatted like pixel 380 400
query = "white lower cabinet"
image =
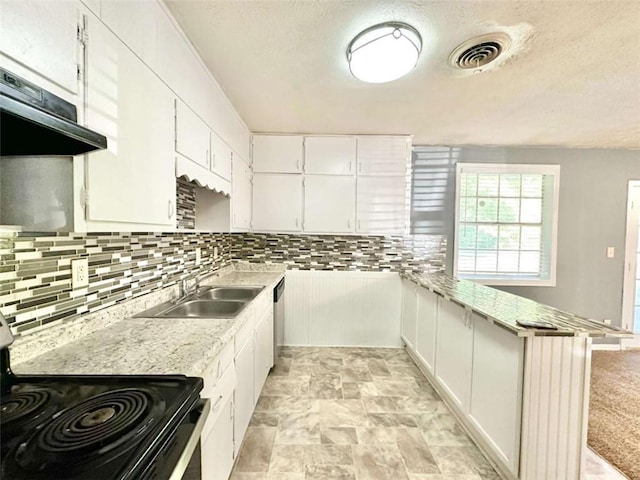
pixel 244 395
pixel 454 349
pixel 264 352
pixel 427 327
pixel 409 313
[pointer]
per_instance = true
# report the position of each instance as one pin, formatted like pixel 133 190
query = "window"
pixel 506 223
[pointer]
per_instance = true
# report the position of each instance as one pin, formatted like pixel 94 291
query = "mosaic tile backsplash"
pixel 35 269
pixel 185 205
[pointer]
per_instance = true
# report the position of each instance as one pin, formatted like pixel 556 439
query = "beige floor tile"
pixel 327 455
pixel 378 368
pixel 342 413
pixel 281 367
pixel 235 475
pixel 286 386
pixel 378 462
pixel 442 429
pixel 287 458
pixel 354 373
pixel 285 476
pixel 390 387
pixel 302 369
pixel 298 436
pixel 415 453
pixel 350 390
pixel 287 404
pixel 325 386
pixel 329 472
pixel 338 435
pixel 462 460
pixel 255 453
pixel 264 419
pixel 382 404
pixel 391 420
pixel 437 476
pixel 377 435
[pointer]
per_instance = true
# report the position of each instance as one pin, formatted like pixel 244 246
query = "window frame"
pixel 507 168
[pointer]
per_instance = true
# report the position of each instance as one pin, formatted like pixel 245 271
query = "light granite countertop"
pixel 151 345
pixel 503 308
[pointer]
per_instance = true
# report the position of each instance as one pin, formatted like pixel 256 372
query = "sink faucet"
pixel 184 287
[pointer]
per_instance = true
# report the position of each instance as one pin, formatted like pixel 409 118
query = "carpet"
pixel 614 409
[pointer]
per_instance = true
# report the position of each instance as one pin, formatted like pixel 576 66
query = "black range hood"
pixel 35 122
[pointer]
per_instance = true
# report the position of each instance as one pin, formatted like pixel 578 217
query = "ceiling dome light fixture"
pixel 384 52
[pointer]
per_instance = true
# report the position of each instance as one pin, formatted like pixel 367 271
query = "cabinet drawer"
pixel 213 374
pixel 219 396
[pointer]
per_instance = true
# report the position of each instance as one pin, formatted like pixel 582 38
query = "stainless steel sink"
pixel 207 302
pixel 229 293
pixel 204 309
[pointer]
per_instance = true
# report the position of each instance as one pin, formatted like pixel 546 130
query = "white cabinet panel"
pixel 217 449
pixel 192 135
pixel 496 388
pixel 134 179
pixel 241 196
pixel 409 313
pixel 329 204
pixel 277 202
pixel 426 328
pixel 221 157
pixel 330 155
pixel 381 205
pixel 42 36
pixel 454 347
pixel 244 394
pixel 264 352
pixel 128 20
pixel 277 153
pixel 383 155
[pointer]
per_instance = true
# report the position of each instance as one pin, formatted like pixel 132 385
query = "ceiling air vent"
pixel 478 53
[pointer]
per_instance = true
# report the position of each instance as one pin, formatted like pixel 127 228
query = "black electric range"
pixel 97 427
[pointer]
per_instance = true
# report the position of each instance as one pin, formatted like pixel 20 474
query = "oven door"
pixel 180 455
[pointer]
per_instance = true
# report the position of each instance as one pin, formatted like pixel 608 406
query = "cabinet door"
pixel 381 205
pixel 264 352
pixel 330 155
pixel 426 328
pixel 44 37
pixel 409 313
pixel 496 388
pixel 277 202
pixel 329 204
pixel 244 394
pixel 221 157
pixel 383 156
pixel 134 179
pixel 241 195
pixel 217 449
pixel 192 135
pixel 277 153
pixel 453 352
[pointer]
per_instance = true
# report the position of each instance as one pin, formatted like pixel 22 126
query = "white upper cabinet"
pixel 43 36
pixel 241 196
pixel 383 155
pixel 330 155
pixel 133 181
pixel 221 157
pixel 192 135
pixel 277 153
pixel 277 202
pixel 381 205
pixel 329 204
pixel 130 21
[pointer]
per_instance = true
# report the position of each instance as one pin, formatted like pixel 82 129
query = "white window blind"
pixel 506 223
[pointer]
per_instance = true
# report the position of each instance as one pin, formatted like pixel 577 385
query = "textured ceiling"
pixel 572 77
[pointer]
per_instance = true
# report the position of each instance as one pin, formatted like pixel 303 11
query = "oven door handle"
pixel 183 462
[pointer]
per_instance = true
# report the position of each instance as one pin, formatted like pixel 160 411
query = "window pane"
pixel 487 237
pixel 486 261
pixel 488 210
pixel 532 186
pixel 531 210
pixel 469 210
pixel 530 262
pixel 467 236
pixel 509 210
pixel 530 238
pixel 508 262
pixel 488 185
pixel 509 237
pixel 466 260
pixel 509 185
pixel 470 182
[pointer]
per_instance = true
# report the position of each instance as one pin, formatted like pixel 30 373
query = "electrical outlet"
pixel 79 273
pixel 611 252
pixel 198 256
pixel 215 252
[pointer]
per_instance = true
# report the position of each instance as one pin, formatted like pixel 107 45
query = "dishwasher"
pixel 278 319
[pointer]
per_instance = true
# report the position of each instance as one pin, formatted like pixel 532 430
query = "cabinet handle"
pixel 217 403
pixel 213 160
pixel 170 209
pixel 359 167
pixel 297 222
pixel 358 224
pixel 297 164
pixel 350 166
pixel 207 158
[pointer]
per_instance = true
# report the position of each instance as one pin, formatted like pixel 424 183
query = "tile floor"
pixel 354 414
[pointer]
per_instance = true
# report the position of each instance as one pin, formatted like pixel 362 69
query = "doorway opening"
pixel 631 288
